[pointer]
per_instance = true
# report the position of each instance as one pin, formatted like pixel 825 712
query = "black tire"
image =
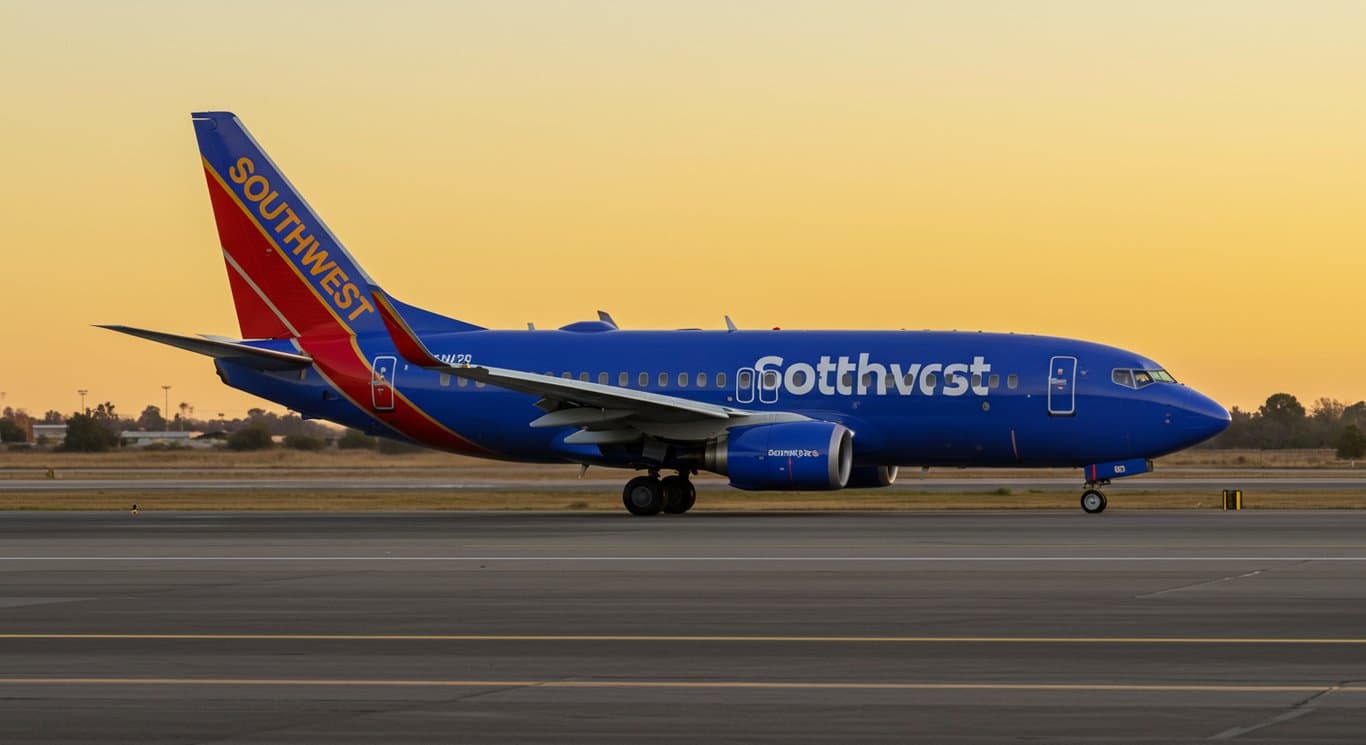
pixel 643 496
pixel 679 494
pixel 690 498
pixel 1093 501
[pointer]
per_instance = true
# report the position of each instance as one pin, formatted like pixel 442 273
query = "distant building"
pixel 136 439
pixel 52 434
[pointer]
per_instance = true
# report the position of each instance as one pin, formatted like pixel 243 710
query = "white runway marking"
pixel 634 559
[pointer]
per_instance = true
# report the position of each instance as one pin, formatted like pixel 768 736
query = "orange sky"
pixel 1184 179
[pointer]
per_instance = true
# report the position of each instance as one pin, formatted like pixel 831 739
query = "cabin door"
pixel 1062 386
pixel 744 385
pixel 382 375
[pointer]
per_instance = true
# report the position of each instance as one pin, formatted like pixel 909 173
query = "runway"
pixel 587 628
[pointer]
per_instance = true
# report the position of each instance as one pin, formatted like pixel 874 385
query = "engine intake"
pixel 800 456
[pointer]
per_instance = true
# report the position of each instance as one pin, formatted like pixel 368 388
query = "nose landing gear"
pixel 1093 499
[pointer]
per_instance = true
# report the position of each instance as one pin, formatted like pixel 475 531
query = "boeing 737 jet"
pixel 769 410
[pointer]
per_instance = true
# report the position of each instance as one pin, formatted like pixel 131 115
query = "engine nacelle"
pixel 872 477
pixel 798 456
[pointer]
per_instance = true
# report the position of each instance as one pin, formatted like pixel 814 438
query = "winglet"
pixel 405 339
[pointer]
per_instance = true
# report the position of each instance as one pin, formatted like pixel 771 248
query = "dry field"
pixel 522 495
pixel 25 464
pixel 727 500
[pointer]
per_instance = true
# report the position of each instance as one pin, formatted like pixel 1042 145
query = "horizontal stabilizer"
pixel 261 359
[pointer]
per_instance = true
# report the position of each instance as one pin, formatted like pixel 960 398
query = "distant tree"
pixel 304 442
pixel 1283 423
pixel 86 434
pixel 1352 442
pixel 1282 407
pixel 251 437
pixel 152 420
pixel 10 431
pixel 1327 410
pixel 105 412
pixel 1355 414
pixel 53 417
pixel 355 439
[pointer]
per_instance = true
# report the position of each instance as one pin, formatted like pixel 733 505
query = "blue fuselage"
pixel 916 398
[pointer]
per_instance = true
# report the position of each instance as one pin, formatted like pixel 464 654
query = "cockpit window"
pixel 1140 378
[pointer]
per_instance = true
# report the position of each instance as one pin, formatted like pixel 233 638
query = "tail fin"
pixel 289 275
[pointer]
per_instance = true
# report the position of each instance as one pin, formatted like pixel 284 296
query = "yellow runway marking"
pixel 1133 640
pixel 690 684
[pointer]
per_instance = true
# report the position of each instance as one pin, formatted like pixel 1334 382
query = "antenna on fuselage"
pixel 730 325
pixel 530 326
pixel 606 318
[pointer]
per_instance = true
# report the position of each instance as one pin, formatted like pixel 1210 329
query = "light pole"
pixel 82 391
pixel 166 407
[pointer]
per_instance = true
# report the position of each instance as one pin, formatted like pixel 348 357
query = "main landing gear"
pixel 1093 499
pixel 651 495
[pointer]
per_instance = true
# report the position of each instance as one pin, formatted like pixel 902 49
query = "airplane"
pixel 768 409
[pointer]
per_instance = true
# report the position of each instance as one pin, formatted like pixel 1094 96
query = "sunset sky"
pixel 1184 179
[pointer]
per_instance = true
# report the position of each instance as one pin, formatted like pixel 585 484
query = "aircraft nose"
pixel 1202 416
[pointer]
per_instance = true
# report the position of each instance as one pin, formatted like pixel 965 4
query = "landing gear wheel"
pixel 679 494
pixel 643 495
pixel 1093 501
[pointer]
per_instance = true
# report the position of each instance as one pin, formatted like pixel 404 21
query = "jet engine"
pixel 872 477
pixel 798 456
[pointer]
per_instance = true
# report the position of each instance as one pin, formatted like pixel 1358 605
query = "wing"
pixel 224 349
pixel 606 413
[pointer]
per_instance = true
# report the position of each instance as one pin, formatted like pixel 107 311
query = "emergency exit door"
pixel 1062 386
pixel 382 374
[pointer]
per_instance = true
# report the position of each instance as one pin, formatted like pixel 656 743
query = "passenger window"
pixel 623 379
pixel 1012 381
pixel 993 381
pixel 867 381
pixel 770 380
pixel 720 380
pixel 798 378
pixel 682 380
pixel 644 380
pixel 602 378
pixel 949 378
pixel 847 380
pixel 910 379
pixel 567 376
pixel 663 380
pixel 463 382
pixel 583 377
pixel 930 381
pixel 446 380
pixel 977 380
pixel 1123 377
pixel 701 380
pixel 743 380
pixel 478 384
